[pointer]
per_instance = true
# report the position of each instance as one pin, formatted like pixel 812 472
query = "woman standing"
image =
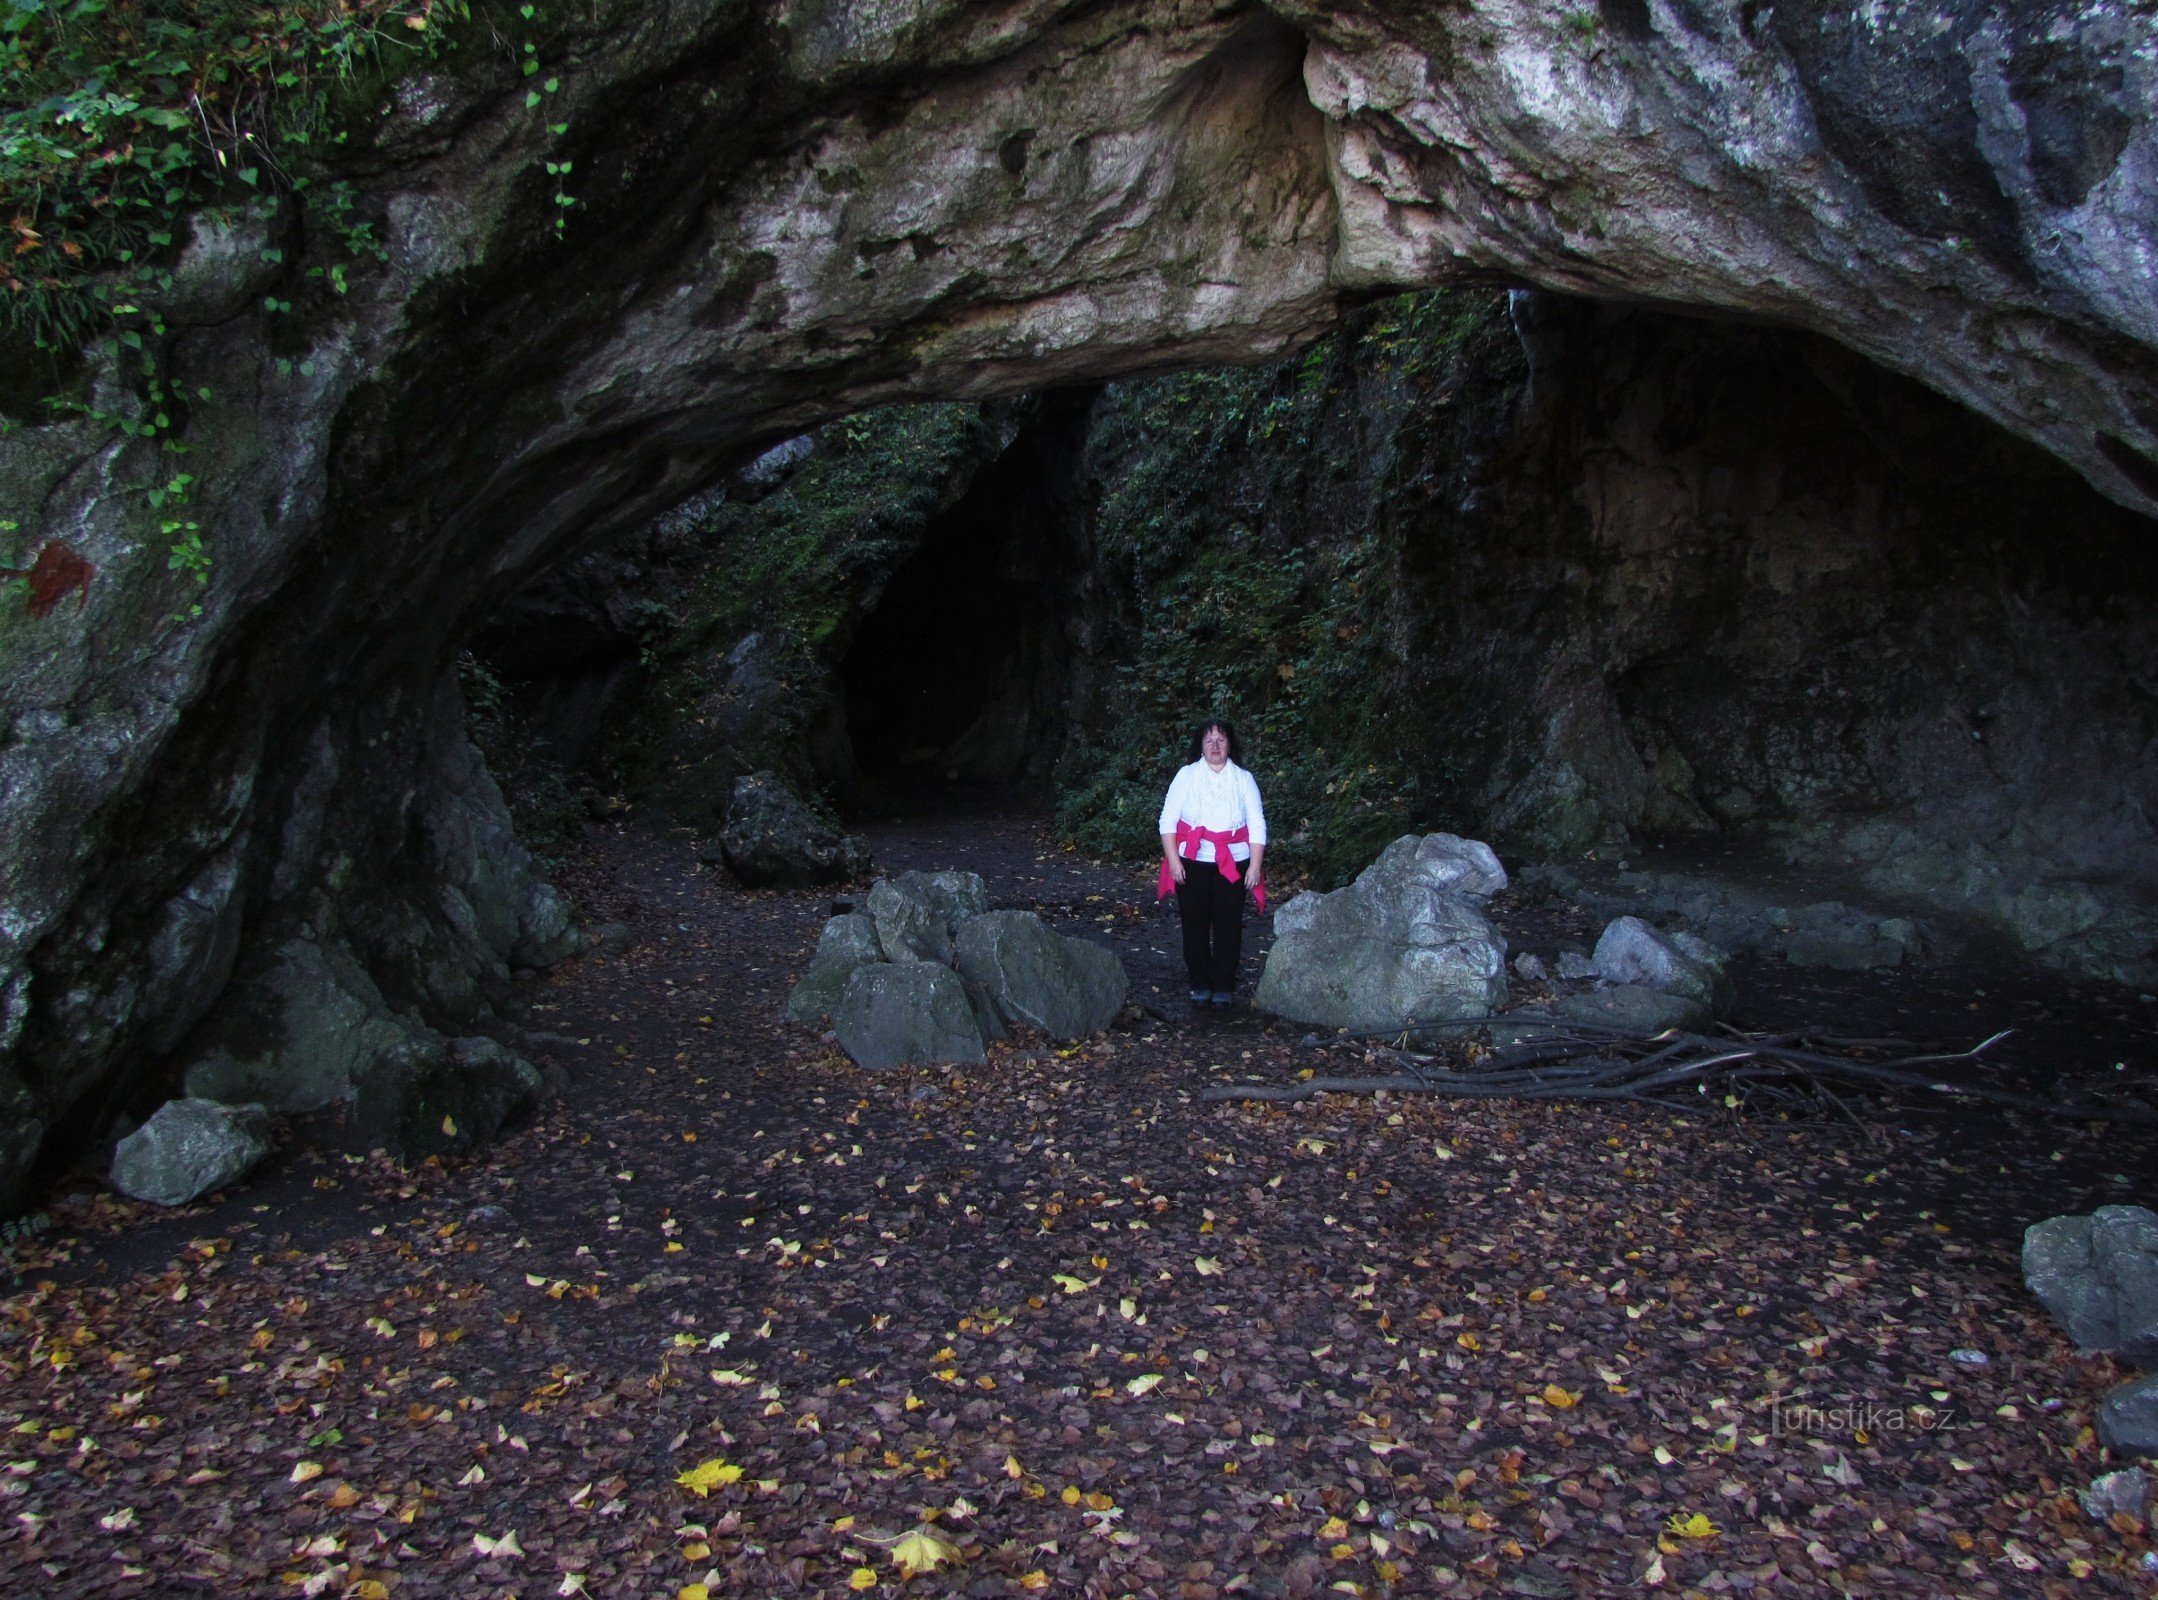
pixel 1213 847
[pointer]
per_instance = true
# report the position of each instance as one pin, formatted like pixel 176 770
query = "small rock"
pixel 1634 952
pixel 1574 965
pixel 2128 1490
pixel 610 938
pixel 1971 1358
pixel 1531 969
pixel 488 1217
pixel 2128 1417
pixel 188 1148
pixel 2098 1276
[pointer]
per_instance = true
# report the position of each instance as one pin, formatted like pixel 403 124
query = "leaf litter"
pixel 1052 1325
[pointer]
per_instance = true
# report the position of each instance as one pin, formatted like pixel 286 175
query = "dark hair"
pixel 1198 739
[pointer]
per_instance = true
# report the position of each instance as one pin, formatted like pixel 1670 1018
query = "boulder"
pixel 2128 1417
pixel 1401 945
pixel 848 941
pixel 902 1013
pixel 1443 861
pixel 1635 952
pixel 917 913
pixel 1633 1008
pixel 772 839
pixel 1832 934
pixel 1030 974
pixel 188 1148
pixel 2098 1276
pixel 442 1097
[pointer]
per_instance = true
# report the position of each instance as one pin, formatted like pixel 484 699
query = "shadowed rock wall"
pixel 789 211
pixel 1567 577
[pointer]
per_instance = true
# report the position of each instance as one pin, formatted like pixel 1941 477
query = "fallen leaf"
pixel 306 1471
pixel 706 1476
pixel 922 1551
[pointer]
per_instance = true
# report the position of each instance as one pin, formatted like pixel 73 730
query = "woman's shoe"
pixel 1223 999
pixel 1200 997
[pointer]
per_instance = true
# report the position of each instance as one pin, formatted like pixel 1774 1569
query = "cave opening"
pixel 959 668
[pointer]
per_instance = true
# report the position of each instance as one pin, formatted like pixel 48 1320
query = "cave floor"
pixel 1100 1337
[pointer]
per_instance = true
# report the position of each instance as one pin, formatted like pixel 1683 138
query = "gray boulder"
pixel 901 1013
pixel 188 1148
pixel 1635 952
pixel 847 942
pixel 1030 974
pixel 1443 861
pixel 772 839
pixel 917 913
pixel 2128 1417
pixel 441 1097
pixel 1400 945
pixel 1633 1008
pixel 2098 1276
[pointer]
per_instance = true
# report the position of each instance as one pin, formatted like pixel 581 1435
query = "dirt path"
pixel 1099 1337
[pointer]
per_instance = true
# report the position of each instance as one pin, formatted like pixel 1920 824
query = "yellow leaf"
pixel 1655 1574
pixel 371 1589
pixel 1695 1526
pixel 693 1591
pixel 842 1525
pixel 306 1471
pixel 449 1124
pixel 1070 1284
pixel 1388 1572
pixel 1560 1399
pixel 706 1476
pixel 1208 1267
pixel 922 1551
pixel 862 1578
pixel 1469 1342
pixel 1012 1468
pixel 1139 1386
pixel 1070 1495
pixel 1037 1579
pixel 1334 1528
pixel 696 1550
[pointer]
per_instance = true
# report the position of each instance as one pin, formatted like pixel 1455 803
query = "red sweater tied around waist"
pixel 1189 837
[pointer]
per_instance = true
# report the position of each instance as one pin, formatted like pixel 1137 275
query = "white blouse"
pixel 1222 801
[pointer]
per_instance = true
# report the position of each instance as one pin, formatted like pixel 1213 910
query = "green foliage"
pixel 117 117
pixel 1251 594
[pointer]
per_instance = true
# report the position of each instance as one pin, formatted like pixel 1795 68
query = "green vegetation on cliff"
pixel 1249 522
pixel 745 657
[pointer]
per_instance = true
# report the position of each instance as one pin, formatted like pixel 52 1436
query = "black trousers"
pixel 1212 909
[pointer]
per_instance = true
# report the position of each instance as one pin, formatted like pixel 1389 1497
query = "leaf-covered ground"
pixel 1055 1326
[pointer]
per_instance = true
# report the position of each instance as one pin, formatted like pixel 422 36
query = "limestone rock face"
pixel 1032 975
pixel 2098 1276
pixel 907 1013
pixel 187 1149
pixel 773 840
pixel 1393 948
pixel 860 203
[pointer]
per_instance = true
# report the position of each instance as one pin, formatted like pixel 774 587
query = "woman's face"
pixel 1214 745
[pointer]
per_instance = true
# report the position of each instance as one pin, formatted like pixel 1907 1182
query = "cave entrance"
pixel 959 672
